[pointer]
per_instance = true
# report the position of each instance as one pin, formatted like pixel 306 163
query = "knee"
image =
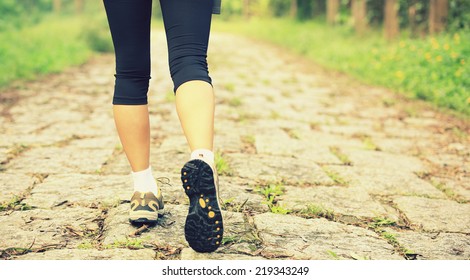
pixel 188 68
pixel 132 81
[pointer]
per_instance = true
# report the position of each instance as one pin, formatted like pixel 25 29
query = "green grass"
pixel 340 155
pixel 314 210
pixel 51 46
pixel 271 192
pixel 434 69
pixel 221 165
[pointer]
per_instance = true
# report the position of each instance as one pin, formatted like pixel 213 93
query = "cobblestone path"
pixel 313 164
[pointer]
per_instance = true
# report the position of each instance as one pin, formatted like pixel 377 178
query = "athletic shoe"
pixel 145 207
pixel 204 227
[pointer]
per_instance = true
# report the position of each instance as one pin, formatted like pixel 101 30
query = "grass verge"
pixel 51 46
pixel 433 69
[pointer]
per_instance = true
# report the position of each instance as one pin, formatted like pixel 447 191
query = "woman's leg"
pixel 187 26
pixel 129 22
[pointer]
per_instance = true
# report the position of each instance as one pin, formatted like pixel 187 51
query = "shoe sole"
pixel 204 226
pixel 144 217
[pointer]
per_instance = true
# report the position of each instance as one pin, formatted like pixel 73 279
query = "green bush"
pixel 96 34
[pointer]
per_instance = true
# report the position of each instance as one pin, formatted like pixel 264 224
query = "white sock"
pixel 144 181
pixel 204 154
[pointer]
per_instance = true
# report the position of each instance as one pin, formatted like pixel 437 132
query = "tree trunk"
pixel 246 8
pixel 57 6
pixel 332 7
pixel 293 8
pixel 391 19
pixel 359 11
pixel 438 12
pixel 79 6
pixel 412 17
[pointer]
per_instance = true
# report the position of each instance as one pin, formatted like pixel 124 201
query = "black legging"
pixel 187 26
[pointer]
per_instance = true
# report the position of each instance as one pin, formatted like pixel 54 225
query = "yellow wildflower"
pixel 402 44
pixel 439 58
pixel 428 56
pixel 412 48
pixel 458 73
pixel 468 100
pixel 454 55
pixel 399 75
pixel 446 47
pixel 435 43
pixel 462 61
pixel 456 38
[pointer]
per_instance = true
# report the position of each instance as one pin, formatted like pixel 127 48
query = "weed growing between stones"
pixel 15 204
pixel 229 205
pixel 379 225
pixel 335 176
pixel 248 144
pixel 340 155
pixel 271 192
pixel 222 165
pixel 134 243
pixel 291 132
pixel 448 191
pixel 230 87
pixel 235 102
pixel 316 211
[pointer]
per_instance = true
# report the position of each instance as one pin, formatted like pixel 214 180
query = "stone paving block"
pixel 169 161
pixel 236 192
pixel 319 239
pixel 118 164
pixel 91 254
pixel 82 189
pixel 228 143
pixel 14 184
pixel 460 188
pixel 393 145
pixel 175 144
pixel 386 161
pixel 276 168
pixel 100 142
pixel 169 229
pixel 32 139
pixel 435 214
pixel 54 160
pixel 190 254
pixel 41 227
pixel 434 246
pixel 350 129
pixel 323 139
pixel 345 201
pixel 445 160
pixel 385 182
pixel 4 154
pixel 278 142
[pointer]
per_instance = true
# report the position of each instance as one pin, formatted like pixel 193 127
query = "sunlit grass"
pixel 434 69
pixel 48 47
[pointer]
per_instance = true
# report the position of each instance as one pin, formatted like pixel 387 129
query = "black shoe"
pixel 204 227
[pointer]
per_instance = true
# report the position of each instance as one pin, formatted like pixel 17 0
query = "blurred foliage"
pixel 35 40
pixel 459 11
pixel 434 69
pixel 35 50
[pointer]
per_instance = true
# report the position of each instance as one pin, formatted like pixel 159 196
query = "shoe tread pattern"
pixel 201 231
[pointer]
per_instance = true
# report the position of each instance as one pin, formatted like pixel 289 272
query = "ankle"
pixel 203 154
